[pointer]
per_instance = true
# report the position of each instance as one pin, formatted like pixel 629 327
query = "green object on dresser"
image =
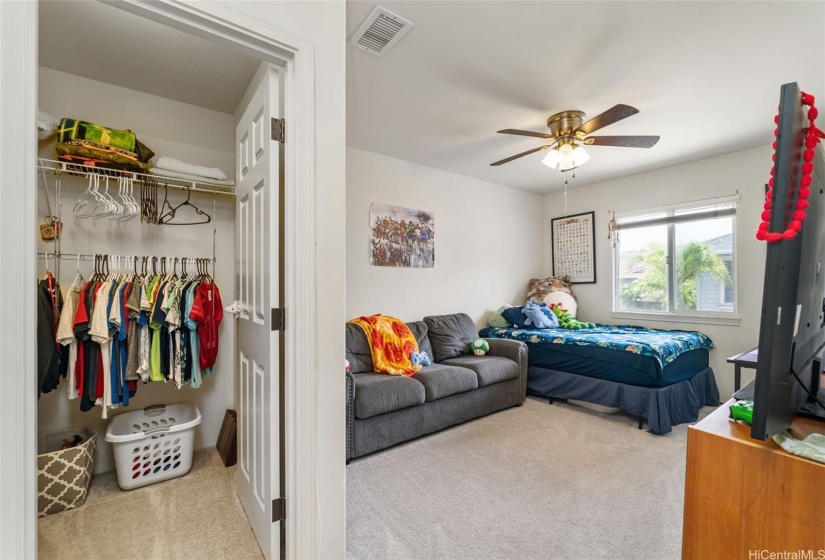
pixel 742 410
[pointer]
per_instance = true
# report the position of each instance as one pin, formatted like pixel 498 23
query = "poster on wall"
pixel 401 237
pixel 574 249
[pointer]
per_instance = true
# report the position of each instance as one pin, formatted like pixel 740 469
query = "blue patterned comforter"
pixel 664 346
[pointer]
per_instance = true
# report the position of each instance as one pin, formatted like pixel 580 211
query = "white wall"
pixel 323 23
pixel 747 172
pixel 487 241
pixel 170 128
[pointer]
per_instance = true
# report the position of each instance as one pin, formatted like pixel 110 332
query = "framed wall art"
pixel 401 237
pixel 574 247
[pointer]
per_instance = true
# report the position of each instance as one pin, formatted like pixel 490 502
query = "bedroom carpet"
pixel 195 517
pixel 539 481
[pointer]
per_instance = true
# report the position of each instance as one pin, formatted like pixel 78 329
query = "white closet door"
pixel 257 269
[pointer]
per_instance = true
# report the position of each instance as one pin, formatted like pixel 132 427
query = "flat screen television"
pixel 792 330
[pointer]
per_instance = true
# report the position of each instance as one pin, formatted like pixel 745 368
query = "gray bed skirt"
pixel 661 407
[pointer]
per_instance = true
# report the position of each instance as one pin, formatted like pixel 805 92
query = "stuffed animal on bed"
pixel 565 300
pixel 566 321
pixel 536 316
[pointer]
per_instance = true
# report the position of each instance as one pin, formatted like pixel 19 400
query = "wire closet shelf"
pixel 55 167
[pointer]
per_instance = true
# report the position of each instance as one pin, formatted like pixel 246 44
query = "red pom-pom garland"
pixel 812 137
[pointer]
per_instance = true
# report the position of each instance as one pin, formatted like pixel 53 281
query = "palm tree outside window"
pixel 677 261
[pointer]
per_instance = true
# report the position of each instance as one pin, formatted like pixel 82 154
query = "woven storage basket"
pixel 63 475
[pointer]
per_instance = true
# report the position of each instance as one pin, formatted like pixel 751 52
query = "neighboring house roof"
pixel 629 268
pixel 722 245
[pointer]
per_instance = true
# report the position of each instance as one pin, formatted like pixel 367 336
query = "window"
pixel 679 261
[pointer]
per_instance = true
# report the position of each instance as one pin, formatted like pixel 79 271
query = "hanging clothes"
pixel 65 336
pixel 52 358
pixel 117 329
pixel 207 311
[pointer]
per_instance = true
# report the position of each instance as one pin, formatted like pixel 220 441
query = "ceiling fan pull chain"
pixel 813 135
pixel 565 193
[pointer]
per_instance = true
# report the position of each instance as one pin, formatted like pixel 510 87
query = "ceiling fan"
pixel 570 133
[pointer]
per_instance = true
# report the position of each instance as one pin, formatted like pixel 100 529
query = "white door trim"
pixel 18 221
pixel 18 251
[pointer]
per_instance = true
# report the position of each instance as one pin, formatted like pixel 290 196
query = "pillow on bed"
pixel 564 300
pixel 516 316
pixel 497 320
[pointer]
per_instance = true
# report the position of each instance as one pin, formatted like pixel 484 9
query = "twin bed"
pixel 660 376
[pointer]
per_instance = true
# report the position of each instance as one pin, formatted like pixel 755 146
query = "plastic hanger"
pixel 78 280
pixel 114 209
pixel 89 196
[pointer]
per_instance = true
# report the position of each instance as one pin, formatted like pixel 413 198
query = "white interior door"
pixel 258 272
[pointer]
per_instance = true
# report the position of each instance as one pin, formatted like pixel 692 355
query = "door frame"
pixel 18 221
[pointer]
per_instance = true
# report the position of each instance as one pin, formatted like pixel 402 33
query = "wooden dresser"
pixel 744 496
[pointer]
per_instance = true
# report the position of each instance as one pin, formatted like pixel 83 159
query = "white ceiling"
pixel 704 75
pixel 104 43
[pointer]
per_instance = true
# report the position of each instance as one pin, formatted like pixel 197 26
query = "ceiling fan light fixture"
pixel 568 157
pixel 579 156
pixel 552 159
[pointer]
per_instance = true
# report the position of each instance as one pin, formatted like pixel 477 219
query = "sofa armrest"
pixel 350 412
pixel 513 350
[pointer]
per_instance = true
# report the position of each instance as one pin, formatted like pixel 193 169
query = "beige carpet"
pixel 197 516
pixel 540 481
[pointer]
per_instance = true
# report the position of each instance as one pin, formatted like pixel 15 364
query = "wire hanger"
pixel 167 218
pixel 149 201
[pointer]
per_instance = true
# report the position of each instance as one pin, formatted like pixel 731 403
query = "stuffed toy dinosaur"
pixel 421 358
pixel 566 321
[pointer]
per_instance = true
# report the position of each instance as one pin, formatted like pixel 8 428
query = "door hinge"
pixel 278 509
pixel 278 129
pixel 278 318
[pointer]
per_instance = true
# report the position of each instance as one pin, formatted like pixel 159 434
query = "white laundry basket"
pixel 153 444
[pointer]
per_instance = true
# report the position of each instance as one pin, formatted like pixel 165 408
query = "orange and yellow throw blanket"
pixel 391 343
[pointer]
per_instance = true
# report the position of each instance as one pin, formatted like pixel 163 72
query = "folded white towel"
pixel 188 177
pixel 173 164
pixel 46 125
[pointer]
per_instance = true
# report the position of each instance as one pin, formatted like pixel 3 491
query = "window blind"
pixel 677 217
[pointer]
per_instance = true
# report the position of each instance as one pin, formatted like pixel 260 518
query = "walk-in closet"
pixel 165 229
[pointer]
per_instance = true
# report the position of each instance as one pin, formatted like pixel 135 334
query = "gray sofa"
pixel 384 410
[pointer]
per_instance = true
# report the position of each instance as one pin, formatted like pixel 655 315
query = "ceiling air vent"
pixel 382 30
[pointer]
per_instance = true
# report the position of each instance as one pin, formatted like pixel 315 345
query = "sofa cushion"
pixel 490 369
pixel 419 330
pixel 441 381
pixel 358 350
pixel 378 393
pixel 450 335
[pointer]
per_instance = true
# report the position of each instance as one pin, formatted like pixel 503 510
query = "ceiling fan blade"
pixel 614 114
pixel 522 154
pixel 625 141
pixel 525 133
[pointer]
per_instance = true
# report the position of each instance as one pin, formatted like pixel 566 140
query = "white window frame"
pixel 672 314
